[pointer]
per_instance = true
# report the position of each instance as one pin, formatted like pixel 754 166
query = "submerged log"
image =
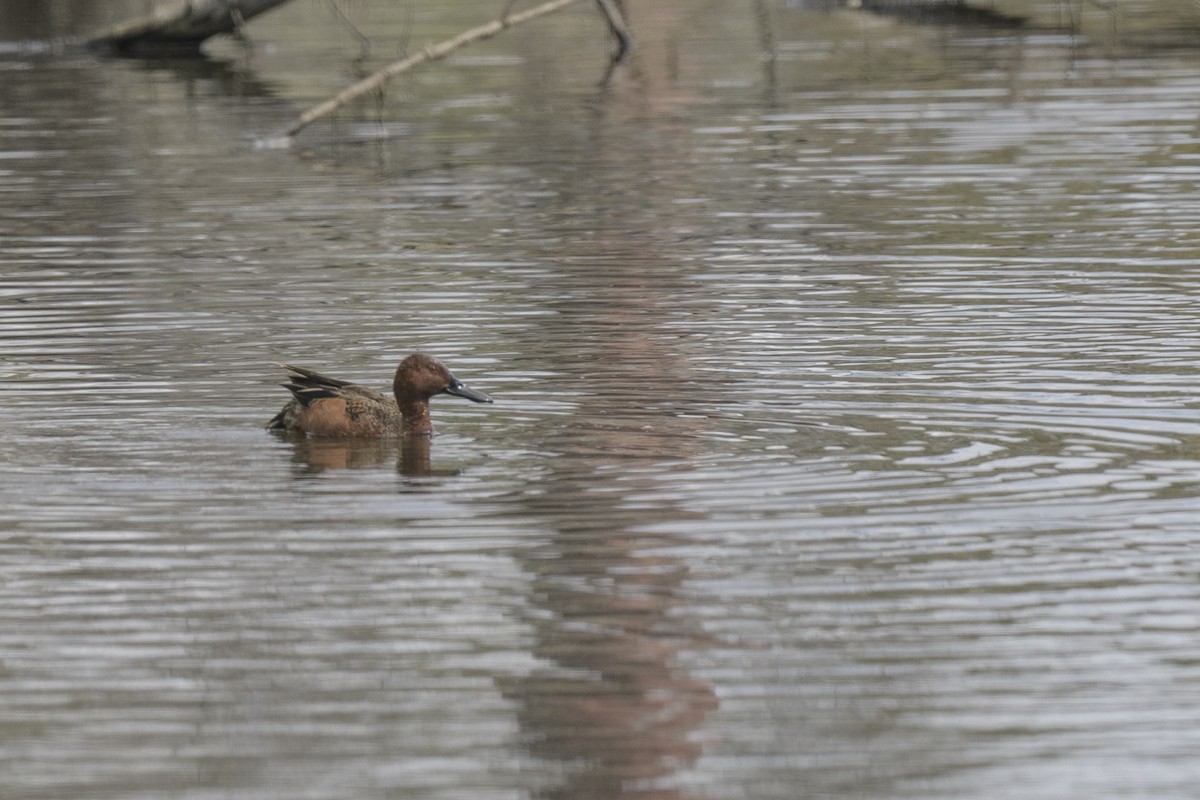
pixel 940 12
pixel 184 24
pixel 181 25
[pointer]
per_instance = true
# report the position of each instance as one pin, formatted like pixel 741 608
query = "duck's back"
pixel 324 406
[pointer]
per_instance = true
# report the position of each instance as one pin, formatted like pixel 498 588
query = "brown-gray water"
pixel 845 443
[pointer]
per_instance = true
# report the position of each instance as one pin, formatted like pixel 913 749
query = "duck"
pixel 330 407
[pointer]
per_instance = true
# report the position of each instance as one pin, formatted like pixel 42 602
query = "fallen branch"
pixel 431 53
pixel 180 26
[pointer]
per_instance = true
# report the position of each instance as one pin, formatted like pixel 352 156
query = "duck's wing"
pixel 359 411
pixel 308 386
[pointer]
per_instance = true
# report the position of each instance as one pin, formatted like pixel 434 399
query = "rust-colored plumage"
pixel 324 406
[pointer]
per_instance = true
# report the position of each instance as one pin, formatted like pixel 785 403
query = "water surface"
pixel 845 442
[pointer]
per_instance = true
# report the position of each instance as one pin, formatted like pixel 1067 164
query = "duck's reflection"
pixel 414 457
pixel 411 455
pixel 319 455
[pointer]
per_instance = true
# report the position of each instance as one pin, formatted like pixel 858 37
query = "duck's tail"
pixel 279 421
pixel 306 386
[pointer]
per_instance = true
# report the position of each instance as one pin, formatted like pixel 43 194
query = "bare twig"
pixel 430 53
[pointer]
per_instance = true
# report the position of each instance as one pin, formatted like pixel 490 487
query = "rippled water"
pixel 845 444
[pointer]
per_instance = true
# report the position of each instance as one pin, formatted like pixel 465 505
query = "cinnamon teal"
pixel 323 406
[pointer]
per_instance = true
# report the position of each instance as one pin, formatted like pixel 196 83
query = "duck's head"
pixel 422 376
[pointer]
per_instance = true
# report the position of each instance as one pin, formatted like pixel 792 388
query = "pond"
pixel 845 440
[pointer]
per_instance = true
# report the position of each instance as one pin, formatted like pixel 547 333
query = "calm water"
pixel 846 441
